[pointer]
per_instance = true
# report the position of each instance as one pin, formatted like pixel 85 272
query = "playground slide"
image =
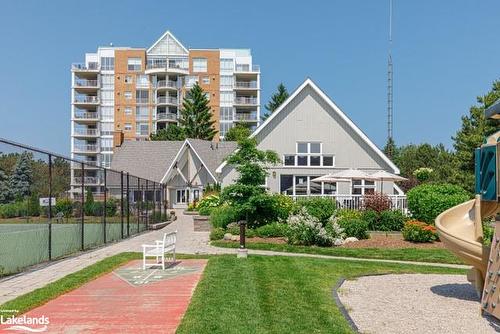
pixel 461 231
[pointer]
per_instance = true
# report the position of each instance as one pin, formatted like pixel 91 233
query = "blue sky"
pixel 445 54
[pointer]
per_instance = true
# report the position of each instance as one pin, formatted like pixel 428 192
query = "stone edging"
pixel 341 306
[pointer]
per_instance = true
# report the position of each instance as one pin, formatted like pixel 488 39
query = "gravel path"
pixel 415 303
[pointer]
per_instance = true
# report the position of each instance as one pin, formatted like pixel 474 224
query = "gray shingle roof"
pixel 146 159
pixel 151 159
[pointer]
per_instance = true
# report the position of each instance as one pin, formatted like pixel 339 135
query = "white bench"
pixel 158 250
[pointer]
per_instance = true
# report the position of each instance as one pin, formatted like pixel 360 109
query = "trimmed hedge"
pixel 427 201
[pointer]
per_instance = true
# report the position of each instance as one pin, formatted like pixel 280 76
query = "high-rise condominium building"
pixel 123 93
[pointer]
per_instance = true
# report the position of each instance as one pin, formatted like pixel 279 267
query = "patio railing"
pixel 356 202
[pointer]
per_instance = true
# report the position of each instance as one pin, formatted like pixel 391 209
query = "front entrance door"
pixel 181 196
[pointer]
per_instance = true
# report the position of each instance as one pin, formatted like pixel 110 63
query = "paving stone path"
pixel 128 300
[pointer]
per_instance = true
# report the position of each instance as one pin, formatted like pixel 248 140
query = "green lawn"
pixel 274 294
pixel 437 255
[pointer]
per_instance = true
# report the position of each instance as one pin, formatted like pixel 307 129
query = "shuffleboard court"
pixel 128 300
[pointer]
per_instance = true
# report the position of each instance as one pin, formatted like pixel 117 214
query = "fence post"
pixel 161 202
pixel 121 204
pixel 50 207
pixel 137 202
pixel 83 206
pixel 128 206
pixel 104 208
pixel 147 205
pixel 154 203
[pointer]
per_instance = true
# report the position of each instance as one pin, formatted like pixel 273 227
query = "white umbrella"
pixel 329 178
pixel 382 175
pixel 354 174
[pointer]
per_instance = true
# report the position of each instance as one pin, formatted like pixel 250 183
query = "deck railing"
pixel 356 202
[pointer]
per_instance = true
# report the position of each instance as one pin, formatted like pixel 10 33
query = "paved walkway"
pixel 188 242
pixel 128 300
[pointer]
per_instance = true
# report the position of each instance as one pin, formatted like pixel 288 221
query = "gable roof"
pixel 147 159
pixel 309 83
pixel 163 46
pixel 211 154
pixel 152 160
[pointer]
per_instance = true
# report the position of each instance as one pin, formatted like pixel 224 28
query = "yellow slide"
pixel 461 231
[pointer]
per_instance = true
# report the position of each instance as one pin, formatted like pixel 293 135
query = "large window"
pixel 107 63
pixel 142 128
pixel 107 113
pixel 106 129
pixel 134 64
pixel 107 81
pixel 303 185
pixel 191 80
pixel 199 64
pixel 142 96
pixel 226 113
pixel 224 128
pixel 226 81
pixel 227 64
pixel 226 98
pixel 309 154
pixel 107 97
pixel 363 187
pixel 142 81
pixel 142 112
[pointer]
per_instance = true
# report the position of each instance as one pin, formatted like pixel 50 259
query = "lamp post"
pixel 242 251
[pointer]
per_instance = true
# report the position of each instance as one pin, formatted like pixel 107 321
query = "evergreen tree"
pixel 276 100
pixel 196 115
pixel 21 178
pixel 475 128
pixel 238 132
pixel 390 148
pixel 5 195
pixel 172 132
pixel 89 205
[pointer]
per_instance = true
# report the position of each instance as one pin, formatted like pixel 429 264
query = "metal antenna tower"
pixel 389 78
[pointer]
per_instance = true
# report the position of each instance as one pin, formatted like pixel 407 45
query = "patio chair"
pixel 158 250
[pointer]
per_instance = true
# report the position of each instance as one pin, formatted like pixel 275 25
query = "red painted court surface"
pixel 128 300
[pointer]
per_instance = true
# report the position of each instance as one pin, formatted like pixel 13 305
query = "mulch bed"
pixel 391 241
pixel 375 241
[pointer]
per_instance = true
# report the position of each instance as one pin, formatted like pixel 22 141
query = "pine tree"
pixel 196 115
pixel 475 128
pixel 5 195
pixel 390 148
pixel 21 178
pixel 172 132
pixel 276 100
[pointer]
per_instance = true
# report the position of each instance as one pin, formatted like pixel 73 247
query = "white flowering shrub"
pixel 305 229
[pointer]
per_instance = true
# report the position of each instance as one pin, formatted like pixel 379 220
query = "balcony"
pixel 86 148
pixel 86 83
pixel 167 84
pixel 86 116
pixel 246 117
pixel 87 180
pixel 166 116
pixel 166 100
pixel 245 101
pixel 158 66
pixel 246 68
pixel 86 100
pixel 81 67
pixel 79 132
pixel 245 85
